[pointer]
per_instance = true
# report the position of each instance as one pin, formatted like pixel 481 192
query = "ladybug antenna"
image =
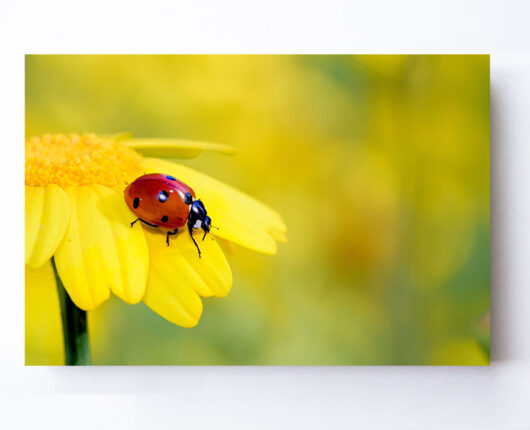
pixel 206 232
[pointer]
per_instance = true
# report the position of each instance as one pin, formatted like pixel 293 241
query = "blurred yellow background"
pixel 378 164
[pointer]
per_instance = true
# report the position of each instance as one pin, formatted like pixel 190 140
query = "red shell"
pixel 159 199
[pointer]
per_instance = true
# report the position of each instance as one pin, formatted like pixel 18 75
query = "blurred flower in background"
pixel 378 164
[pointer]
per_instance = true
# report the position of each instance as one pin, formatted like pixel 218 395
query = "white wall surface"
pixel 279 397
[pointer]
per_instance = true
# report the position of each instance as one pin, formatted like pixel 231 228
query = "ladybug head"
pixel 198 218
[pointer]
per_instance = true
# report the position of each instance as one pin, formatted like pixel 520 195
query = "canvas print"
pixel 257 210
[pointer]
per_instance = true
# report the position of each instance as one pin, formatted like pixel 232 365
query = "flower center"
pixel 71 159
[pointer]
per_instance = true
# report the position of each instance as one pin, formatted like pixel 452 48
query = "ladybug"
pixel 160 200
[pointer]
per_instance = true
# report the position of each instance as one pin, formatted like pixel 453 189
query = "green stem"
pixel 75 328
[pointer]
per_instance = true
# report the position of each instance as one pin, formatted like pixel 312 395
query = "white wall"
pixel 248 397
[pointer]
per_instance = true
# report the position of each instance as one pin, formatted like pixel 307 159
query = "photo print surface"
pixel 257 210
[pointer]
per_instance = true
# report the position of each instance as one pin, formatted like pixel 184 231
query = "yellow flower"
pixel 76 213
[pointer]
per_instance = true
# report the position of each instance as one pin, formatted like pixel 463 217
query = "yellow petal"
pixel 175 148
pixel 181 306
pixel 278 235
pixel 120 137
pixel 213 273
pixel 177 276
pixel 133 254
pixel 88 259
pixel 169 290
pixel 47 212
pixel 240 218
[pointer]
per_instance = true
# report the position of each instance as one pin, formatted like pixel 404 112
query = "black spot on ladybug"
pixel 162 196
pixel 165 218
pixel 136 203
pixel 171 178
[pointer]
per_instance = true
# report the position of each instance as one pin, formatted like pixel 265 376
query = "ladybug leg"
pixel 170 233
pixel 190 229
pixel 148 223
pixel 145 222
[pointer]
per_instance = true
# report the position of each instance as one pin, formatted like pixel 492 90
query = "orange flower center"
pixel 68 160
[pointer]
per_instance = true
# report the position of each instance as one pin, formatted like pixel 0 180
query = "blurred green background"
pixel 378 164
